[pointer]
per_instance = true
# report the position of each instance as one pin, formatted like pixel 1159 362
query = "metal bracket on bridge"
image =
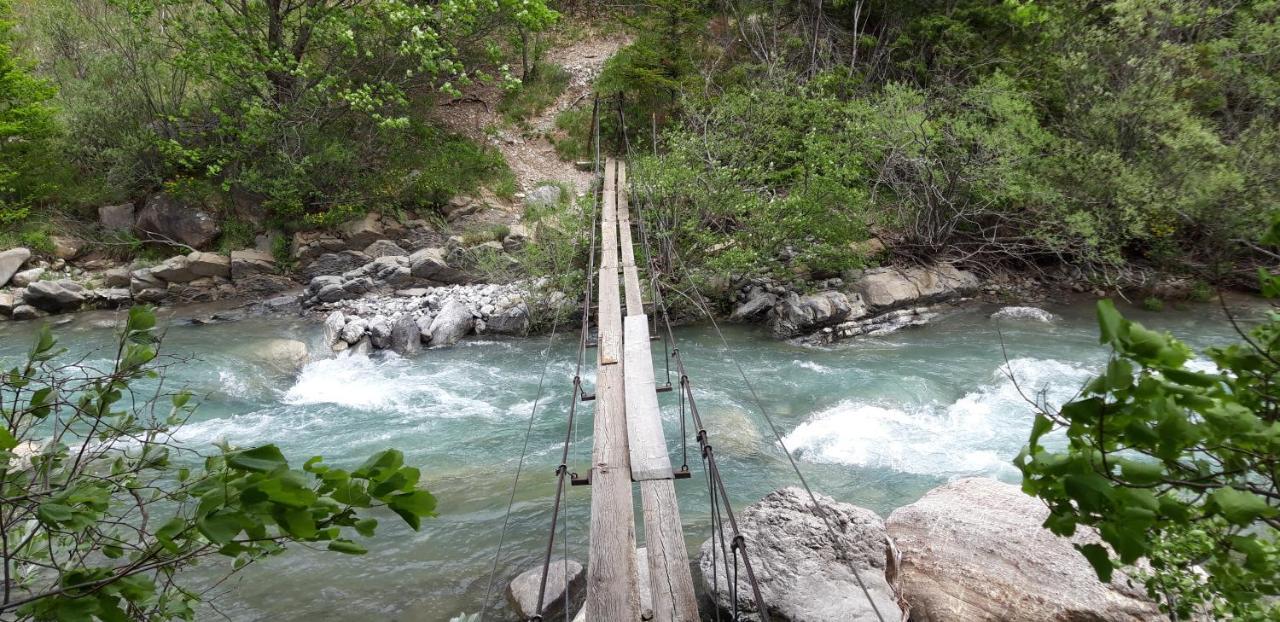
pixel 574 480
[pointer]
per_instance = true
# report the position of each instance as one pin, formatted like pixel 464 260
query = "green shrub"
pixel 535 94
pixel 1152 303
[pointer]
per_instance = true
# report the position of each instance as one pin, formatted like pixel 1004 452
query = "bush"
pixel 104 510
pixel 1172 465
pixel 535 94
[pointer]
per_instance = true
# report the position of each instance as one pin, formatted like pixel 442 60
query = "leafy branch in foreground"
pixel 100 510
pixel 1176 468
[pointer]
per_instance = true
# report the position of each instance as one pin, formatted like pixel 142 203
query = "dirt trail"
pixel 530 155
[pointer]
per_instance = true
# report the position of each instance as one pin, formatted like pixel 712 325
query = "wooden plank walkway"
pixel 612 582
pixel 630 446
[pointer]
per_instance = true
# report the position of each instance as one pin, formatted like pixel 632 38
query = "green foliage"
pixel 1152 303
pixel 1174 465
pixel 572 138
pixel 27 127
pixel 535 94
pixel 103 510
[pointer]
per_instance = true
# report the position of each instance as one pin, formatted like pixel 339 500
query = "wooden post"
pixel 612 590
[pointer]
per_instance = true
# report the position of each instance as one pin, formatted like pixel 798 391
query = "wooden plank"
pixel 647 445
pixel 612 581
pixel 670 581
pixel 631 280
pixel 624 219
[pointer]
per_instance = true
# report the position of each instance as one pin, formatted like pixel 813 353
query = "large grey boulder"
pixel 546 195
pixel 27 312
pixel 166 218
pixel 113 297
pixel 335 263
pixel 759 301
pixel 7 301
pixel 354 331
pixel 116 217
pixel 175 270
pixel 55 296
pixel 512 321
pixel 282 356
pixel 116 277
pixel 452 323
pixel 26 277
pixel 251 261
pixel 380 332
pixel 333 326
pixel 883 289
pixel 209 264
pixel 10 261
pixel 384 248
pixel 975 550
pixel 363 231
pixel 1026 314
pixel 263 285
pixel 522 593
pixel 430 264
pixel 795 314
pixel 406 338
pixel 802 576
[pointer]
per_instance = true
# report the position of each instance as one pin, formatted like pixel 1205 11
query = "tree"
pixel 26 124
pixel 100 510
pixel 1174 465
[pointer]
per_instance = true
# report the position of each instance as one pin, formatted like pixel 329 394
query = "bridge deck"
pixel 629 445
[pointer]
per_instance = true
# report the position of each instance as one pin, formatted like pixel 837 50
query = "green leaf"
pixel 220 528
pixel 262 459
pixel 366 527
pixel 1110 323
pixel 412 506
pixel 1091 491
pixel 297 523
pixel 1099 559
pixel 7 441
pixel 54 514
pixel 1240 506
pixel 1141 472
pixel 348 547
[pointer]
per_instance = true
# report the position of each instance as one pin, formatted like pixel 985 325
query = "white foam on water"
pixel 394 384
pixel 978 434
pixel 812 366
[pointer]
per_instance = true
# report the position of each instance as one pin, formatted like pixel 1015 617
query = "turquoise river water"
pixel 875 422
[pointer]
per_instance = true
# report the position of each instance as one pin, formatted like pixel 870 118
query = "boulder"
pixel 889 288
pixel 142 278
pixel 522 593
pixel 27 312
pixel 168 219
pixel 116 217
pixel 802 577
pixel 795 314
pixel 10 261
pixel 364 348
pixel 512 321
pixel 113 297
pixel 430 264
pixel 759 301
pixel 55 296
pixel 66 247
pixel 975 550
pixel 380 332
pixel 251 261
pixel 116 277
pixel 26 277
pixel 6 303
pixel 384 248
pixel 362 232
pixel 175 270
pixel 335 263
pixel 424 327
pixel 546 195
pixel 353 332
pixel 406 338
pixel 460 206
pixel 263 285
pixel 209 264
pixel 1028 314
pixel 283 356
pixel 333 326
pixel 453 322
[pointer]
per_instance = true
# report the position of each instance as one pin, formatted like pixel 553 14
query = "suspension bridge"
pixel 620 320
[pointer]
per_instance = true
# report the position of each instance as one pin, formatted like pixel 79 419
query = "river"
pixel 876 422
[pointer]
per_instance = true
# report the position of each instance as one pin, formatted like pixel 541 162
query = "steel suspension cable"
pixel 822 512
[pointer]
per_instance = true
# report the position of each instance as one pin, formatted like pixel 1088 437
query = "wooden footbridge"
pixel 629 444
pixel 629 448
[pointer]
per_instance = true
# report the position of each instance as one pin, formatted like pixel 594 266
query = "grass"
pixel 572 140
pixel 490 233
pixel 534 95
